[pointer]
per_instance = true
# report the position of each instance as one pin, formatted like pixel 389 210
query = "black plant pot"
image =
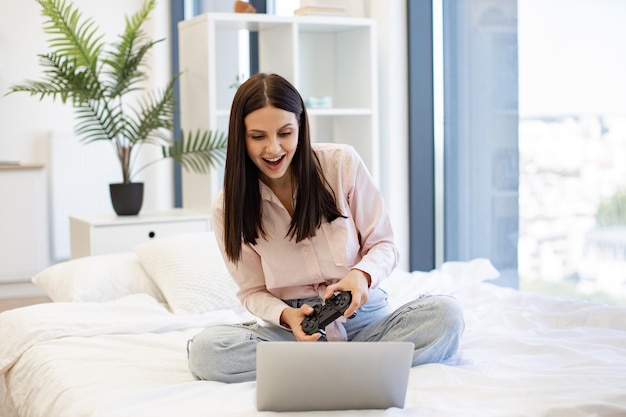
pixel 127 198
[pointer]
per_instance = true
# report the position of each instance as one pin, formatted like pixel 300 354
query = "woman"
pixel 297 222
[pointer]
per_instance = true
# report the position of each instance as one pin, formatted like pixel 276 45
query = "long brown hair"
pixel 315 200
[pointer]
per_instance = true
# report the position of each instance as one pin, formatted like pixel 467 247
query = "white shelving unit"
pixel 322 56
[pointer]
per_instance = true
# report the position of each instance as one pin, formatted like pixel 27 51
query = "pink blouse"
pixel 277 268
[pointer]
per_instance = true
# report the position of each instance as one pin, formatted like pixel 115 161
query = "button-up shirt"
pixel 277 268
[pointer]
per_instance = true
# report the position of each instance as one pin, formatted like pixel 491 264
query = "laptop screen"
pixel 306 376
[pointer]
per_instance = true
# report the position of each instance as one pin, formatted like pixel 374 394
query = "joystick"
pixel 322 316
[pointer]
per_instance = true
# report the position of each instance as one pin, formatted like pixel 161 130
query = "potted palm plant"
pixel 105 88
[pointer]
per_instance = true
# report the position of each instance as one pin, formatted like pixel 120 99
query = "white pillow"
pixel 96 279
pixel 190 271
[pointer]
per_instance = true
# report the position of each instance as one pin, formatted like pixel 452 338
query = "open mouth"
pixel 274 161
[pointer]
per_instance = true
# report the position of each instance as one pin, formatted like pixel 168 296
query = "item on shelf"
pixel 244 7
pixel 325 102
pixel 314 10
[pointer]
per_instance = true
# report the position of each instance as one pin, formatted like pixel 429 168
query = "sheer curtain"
pixel 480 129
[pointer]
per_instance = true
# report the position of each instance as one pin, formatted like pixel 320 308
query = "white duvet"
pixel 521 355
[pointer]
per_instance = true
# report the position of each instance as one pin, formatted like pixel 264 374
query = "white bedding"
pixel 521 355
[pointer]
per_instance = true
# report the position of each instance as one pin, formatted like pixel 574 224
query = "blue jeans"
pixel 434 324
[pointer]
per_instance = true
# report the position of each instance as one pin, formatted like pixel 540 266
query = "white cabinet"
pixel 322 56
pixel 108 233
pixel 24 248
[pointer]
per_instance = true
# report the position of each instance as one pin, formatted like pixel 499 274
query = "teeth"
pixel 273 160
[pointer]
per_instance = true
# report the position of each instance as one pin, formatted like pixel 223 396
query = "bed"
pixel 113 343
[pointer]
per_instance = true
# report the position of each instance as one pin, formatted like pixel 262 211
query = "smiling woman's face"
pixel 271 141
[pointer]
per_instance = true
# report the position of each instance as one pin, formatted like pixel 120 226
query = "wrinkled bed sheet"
pixel 522 354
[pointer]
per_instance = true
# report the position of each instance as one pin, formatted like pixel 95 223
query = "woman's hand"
pixel 355 281
pixel 292 318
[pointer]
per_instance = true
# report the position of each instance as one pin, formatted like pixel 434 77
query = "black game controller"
pixel 334 308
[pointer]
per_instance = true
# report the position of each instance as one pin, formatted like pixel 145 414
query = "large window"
pixel 573 148
pixel 535 142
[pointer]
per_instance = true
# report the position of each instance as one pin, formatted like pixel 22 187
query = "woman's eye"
pixel 285 134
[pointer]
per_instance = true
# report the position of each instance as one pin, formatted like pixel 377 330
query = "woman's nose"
pixel 273 145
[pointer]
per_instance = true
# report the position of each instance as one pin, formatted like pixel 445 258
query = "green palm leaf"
pixel 198 151
pixel 154 113
pixel 126 58
pixel 97 121
pixel 72 37
pixel 96 82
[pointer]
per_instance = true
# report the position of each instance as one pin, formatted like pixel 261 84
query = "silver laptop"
pixel 306 376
